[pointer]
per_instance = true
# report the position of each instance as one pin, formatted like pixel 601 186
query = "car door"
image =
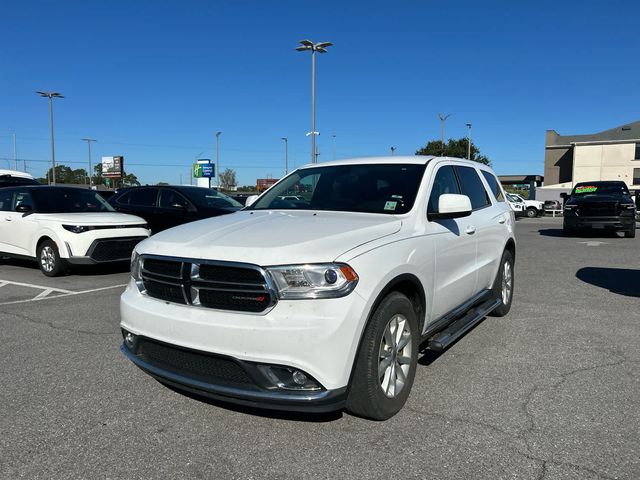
pixel 143 201
pixel 21 227
pixel 6 201
pixel 455 242
pixel 488 220
pixel 174 208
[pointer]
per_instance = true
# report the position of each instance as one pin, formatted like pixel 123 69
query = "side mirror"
pixel 451 205
pixel 22 208
pixel 179 206
pixel 251 199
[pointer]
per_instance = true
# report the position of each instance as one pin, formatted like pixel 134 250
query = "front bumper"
pixel 252 394
pixel 318 337
pixel 106 250
pixel 609 223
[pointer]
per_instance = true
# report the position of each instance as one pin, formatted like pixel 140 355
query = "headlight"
pixel 327 280
pixel 136 267
pixel 78 228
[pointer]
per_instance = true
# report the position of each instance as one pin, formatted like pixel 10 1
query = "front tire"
pixel 386 362
pixel 532 212
pixel 503 284
pixel 631 233
pixel 49 259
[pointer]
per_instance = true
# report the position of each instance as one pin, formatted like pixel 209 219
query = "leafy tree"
pixel 65 174
pixel 453 148
pixel 228 179
pixel 129 180
pixel 247 188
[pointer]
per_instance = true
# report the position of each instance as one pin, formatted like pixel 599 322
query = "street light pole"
pixel 468 141
pixel 393 149
pixel 89 140
pixel 217 160
pixel 320 48
pixel 51 96
pixel 15 154
pixel 334 146
pixel 443 118
pixel 286 155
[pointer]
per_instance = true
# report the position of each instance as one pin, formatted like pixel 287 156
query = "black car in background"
pixel 604 205
pixel 168 206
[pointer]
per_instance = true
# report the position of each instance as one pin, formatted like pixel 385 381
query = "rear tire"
pixel 631 233
pixel 503 285
pixel 385 365
pixel 49 259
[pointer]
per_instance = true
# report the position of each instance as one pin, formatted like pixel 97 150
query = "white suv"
pixel 59 226
pixel 323 302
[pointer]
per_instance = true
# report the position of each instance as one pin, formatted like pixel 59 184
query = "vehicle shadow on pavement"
pixel 558 232
pixel 261 412
pixel 623 281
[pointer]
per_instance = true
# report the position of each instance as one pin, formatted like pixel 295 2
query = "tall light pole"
pixel 217 160
pixel 89 140
pixel 393 150
pixel 51 96
pixel 286 155
pixel 320 48
pixel 443 118
pixel 334 146
pixel 468 141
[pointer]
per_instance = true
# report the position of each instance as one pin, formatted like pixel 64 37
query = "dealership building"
pixel 609 155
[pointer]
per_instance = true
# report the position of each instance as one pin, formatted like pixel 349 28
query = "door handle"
pixel 502 219
pixel 471 230
pixel 8 219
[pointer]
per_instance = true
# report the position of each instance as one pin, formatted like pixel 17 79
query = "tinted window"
pixel 144 197
pixel 210 198
pixel 494 185
pixel 600 188
pixel 472 187
pixel 172 199
pixel 69 200
pixel 445 182
pixel 5 199
pixel 370 188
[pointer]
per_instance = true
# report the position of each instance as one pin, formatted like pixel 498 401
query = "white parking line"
pixel 44 295
pixel 32 285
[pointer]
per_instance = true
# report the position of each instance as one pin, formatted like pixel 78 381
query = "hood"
pixel 92 218
pixel 272 237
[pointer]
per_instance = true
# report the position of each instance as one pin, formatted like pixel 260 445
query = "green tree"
pixel 453 148
pixel 65 174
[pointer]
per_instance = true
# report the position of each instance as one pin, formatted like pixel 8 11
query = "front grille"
pixel 192 363
pixel 112 249
pixel 208 284
pixel 604 209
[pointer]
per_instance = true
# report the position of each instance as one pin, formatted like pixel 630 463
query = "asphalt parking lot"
pixel 550 391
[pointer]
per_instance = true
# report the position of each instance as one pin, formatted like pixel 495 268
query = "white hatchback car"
pixel 63 225
pixel 323 302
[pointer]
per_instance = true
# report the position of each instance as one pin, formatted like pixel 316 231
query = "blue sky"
pixel 154 80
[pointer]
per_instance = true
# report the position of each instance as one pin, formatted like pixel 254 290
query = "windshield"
pixel 69 200
pixel 600 188
pixel 210 198
pixel 372 188
pixel 513 198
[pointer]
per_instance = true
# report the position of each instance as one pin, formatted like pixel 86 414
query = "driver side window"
pixel 444 182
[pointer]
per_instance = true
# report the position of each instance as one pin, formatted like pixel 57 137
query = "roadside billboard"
pixel 113 167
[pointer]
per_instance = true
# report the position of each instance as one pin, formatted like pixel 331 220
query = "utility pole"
pixel 15 154
pixel 51 96
pixel 443 118
pixel 393 149
pixel 468 141
pixel 334 146
pixel 320 48
pixel 89 140
pixel 217 160
pixel 286 155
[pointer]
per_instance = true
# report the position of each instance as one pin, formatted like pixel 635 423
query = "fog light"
pixel 130 340
pixel 299 377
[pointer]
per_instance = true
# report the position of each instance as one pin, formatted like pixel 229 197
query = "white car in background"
pixel 59 226
pixel 516 205
pixel 531 208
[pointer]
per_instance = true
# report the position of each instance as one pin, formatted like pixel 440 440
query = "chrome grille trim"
pixel 191 284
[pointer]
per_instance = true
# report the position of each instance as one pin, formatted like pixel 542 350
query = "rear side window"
pixel 445 182
pixel 472 187
pixel 172 199
pixel 5 199
pixel 494 185
pixel 144 197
